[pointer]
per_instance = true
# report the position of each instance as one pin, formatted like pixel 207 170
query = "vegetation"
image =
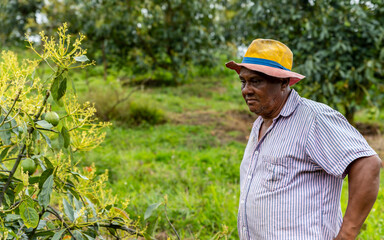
pixel 336 44
pixel 44 193
pixel 179 123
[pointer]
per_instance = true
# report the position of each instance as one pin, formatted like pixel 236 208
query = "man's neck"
pixel 268 120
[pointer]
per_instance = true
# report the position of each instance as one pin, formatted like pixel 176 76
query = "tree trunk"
pixel 105 63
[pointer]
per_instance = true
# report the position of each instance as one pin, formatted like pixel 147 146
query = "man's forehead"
pixel 245 72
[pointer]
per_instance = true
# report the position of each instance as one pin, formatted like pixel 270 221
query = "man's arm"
pixel 363 187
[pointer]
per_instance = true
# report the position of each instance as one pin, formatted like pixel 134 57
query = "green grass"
pixel 373 228
pixel 197 168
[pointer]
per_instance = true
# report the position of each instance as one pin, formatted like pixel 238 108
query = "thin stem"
pixel 9 159
pixel 124 228
pixel 10 110
pixel 166 216
pixel 57 215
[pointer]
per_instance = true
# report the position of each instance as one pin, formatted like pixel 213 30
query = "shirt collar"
pixel 291 104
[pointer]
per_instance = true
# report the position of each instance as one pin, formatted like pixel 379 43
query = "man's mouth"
pixel 251 100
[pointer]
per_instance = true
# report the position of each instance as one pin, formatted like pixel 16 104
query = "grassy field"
pixel 193 158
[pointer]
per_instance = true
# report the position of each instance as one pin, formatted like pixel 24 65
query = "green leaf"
pixel 150 209
pixel 81 58
pixel 61 140
pixel 4 153
pixel 34 179
pixel 30 217
pixel 18 188
pixel 68 209
pixel 77 234
pixel 45 193
pixel 27 202
pixel 59 87
pixel 44 124
pixel 66 136
pixel 73 191
pixel 5 132
pixel 89 237
pixel 48 163
pixel 58 234
pixel 44 177
pixel 78 174
pixel 12 217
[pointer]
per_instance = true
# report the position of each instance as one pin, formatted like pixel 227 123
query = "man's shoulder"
pixel 317 109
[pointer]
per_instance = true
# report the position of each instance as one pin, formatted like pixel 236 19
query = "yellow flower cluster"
pixel 83 127
pixel 62 53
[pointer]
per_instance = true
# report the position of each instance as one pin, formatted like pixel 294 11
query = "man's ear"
pixel 284 83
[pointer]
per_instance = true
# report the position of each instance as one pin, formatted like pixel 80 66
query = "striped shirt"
pixel 291 179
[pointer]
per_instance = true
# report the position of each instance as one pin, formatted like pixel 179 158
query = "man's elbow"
pixel 367 165
pixel 376 164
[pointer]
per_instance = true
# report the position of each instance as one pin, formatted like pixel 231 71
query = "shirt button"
pixel 257 152
pixel 242 201
pixel 244 229
pixel 249 176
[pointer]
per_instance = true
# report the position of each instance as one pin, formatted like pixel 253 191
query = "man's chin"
pixel 254 110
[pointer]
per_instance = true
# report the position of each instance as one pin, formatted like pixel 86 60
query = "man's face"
pixel 263 96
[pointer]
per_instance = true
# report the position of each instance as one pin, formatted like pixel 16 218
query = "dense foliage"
pixel 145 35
pixel 43 192
pixel 338 45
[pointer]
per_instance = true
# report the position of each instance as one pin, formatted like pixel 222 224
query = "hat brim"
pixel 271 71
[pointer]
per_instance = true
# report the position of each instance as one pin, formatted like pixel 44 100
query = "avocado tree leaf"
pixel 59 87
pixel 47 139
pixel 58 234
pixel 68 209
pixel 44 176
pixel 4 153
pixel 66 137
pixel 44 124
pixel 82 58
pixel 5 132
pixel 30 217
pixel 45 193
pixel 78 174
pixel 77 234
pixel 148 213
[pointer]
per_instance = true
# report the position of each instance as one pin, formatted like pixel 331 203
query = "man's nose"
pixel 247 90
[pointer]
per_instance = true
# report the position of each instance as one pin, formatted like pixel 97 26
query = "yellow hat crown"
pixel 269 52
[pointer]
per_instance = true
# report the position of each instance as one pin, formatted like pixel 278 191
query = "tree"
pixel 15 16
pixel 43 192
pixel 338 45
pixel 144 35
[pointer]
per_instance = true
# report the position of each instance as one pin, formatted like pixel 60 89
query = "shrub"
pixel 59 199
pixel 114 103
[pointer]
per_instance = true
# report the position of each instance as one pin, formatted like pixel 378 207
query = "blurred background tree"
pixel 336 44
pixel 15 15
pixel 145 35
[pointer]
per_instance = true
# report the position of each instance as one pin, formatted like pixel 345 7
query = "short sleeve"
pixel 333 143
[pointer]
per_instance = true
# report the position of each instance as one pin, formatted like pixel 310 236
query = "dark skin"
pixel 266 96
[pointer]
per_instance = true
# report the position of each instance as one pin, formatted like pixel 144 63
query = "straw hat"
pixel 270 57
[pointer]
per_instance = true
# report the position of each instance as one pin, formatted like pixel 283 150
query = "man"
pixel 298 153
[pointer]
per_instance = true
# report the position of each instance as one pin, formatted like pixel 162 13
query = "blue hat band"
pixel 265 62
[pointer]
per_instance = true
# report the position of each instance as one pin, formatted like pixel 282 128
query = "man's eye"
pixel 255 80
